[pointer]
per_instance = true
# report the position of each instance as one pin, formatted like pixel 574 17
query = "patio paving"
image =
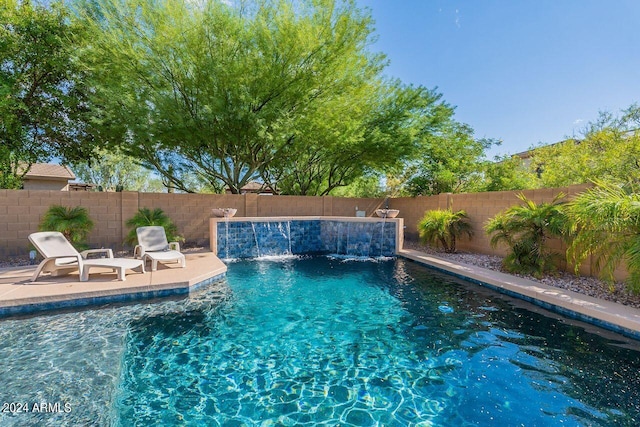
pixel 19 295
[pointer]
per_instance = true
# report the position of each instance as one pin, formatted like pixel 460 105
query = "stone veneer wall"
pixel 262 237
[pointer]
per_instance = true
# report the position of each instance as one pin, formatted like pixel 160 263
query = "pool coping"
pixel 18 295
pixel 608 315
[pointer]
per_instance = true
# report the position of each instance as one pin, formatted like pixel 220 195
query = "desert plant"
pixel 444 227
pixel 525 229
pixel 145 217
pixel 606 224
pixel 74 223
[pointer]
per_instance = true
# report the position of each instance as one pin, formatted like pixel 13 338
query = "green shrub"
pixel 525 230
pixel 74 223
pixel 444 227
pixel 145 217
pixel 606 225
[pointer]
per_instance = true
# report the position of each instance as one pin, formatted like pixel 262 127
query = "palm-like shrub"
pixel 145 217
pixel 444 227
pixel 606 224
pixel 525 230
pixel 74 223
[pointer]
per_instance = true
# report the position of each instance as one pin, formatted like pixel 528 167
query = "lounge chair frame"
pixel 153 246
pixel 60 257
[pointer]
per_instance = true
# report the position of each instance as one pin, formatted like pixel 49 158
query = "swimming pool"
pixel 321 341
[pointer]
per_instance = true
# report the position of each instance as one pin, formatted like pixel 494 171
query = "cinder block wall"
pixel 22 210
pixel 480 207
pixel 412 209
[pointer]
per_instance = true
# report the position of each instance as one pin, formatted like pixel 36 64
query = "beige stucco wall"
pixel 44 184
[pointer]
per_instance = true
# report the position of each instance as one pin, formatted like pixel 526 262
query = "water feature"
pixel 250 238
pixel 226 237
pixel 255 238
pixel 272 238
pixel 382 224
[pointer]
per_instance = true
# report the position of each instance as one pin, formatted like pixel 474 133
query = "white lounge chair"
pixel 60 257
pixel 152 245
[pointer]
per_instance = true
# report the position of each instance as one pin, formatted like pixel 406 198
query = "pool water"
pixel 321 341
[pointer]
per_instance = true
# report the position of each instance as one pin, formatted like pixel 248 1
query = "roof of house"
pixel 253 186
pixel 529 153
pixel 50 171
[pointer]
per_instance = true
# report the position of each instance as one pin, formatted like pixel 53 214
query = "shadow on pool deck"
pixel 19 295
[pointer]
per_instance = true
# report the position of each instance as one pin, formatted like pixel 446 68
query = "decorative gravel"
pixel 591 286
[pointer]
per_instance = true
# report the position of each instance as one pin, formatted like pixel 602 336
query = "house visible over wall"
pixel 254 187
pixel 47 176
pixel 526 156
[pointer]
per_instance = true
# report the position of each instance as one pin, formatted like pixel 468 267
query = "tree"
pixel 450 161
pixel 606 225
pixel 112 170
pixel 284 91
pixel 609 151
pixel 364 186
pixel 526 229
pixel 42 103
pixel 444 227
pixel 339 151
pixel 506 173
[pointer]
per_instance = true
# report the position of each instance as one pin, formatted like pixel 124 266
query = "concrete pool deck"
pixel 18 295
pixel 606 314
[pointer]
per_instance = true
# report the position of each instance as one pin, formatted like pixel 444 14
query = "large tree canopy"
pixel 41 101
pixel 276 90
pixel 609 151
pixel 450 160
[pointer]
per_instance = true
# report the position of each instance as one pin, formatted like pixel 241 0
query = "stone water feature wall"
pixel 259 237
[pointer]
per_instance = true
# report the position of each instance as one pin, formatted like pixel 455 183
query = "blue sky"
pixel 523 71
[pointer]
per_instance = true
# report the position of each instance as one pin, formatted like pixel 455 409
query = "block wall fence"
pixel 22 210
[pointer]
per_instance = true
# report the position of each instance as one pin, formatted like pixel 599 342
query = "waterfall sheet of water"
pixel 384 221
pixel 226 244
pixel 272 239
pixel 255 238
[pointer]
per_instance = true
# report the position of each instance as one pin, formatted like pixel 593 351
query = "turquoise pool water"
pixel 320 341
